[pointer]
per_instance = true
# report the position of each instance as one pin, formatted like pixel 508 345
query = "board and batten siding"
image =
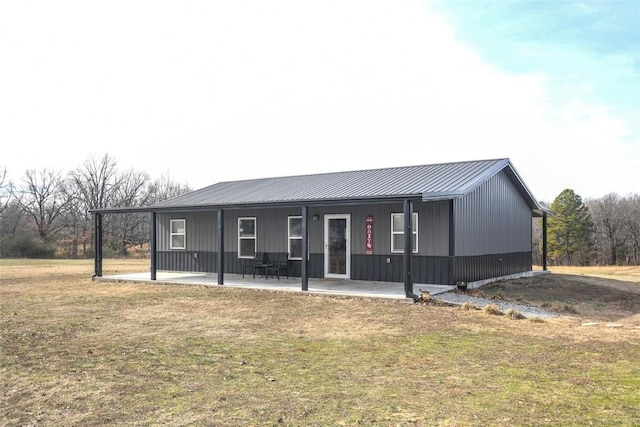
pixel 201 230
pixel 271 228
pixel 492 219
pixel 433 227
pixel 272 235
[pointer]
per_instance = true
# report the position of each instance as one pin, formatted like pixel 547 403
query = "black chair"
pixel 278 266
pixel 255 265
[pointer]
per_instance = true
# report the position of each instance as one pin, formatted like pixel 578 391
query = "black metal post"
pixel 304 263
pixel 97 244
pixel 544 242
pixel 452 231
pixel 451 268
pixel 220 260
pixel 153 244
pixel 408 249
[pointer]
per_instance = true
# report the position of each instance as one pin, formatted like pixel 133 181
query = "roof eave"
pixel 260 205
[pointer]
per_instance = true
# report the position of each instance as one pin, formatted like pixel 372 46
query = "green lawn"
pixel 77 352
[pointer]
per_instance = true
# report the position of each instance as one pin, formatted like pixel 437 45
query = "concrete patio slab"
pixel 333 287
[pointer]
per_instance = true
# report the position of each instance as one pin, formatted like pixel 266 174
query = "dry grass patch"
pixel 577 295
pixel 83 353
pixel 514 314
pixel 492 309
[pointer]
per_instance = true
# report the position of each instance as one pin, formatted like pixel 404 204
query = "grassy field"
pixel 83 353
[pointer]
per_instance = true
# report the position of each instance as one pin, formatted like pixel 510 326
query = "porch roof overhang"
pixel 259 205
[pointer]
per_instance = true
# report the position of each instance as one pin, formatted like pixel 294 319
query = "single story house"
pixel 433 224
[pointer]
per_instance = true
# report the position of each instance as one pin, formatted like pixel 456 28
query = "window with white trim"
pixel 247 237
pixel 178 231
pixel 295 237
pixel 397 232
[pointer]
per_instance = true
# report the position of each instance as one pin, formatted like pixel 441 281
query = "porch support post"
pixel 452 231
pixel 220 259
pixel 304 263
pixel 97 244
pixel 451 269
pixel 408 249
pixel 154 242
pixel 544 242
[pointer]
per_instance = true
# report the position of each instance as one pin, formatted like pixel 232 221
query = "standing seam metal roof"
pixel 428 182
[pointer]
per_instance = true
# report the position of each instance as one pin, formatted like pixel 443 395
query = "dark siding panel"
pixel 470 268
pixel 272 228
pixel 272 238
pixel 493 219
pixel 187 261
pixel 433 227
pixel 431 270
pixel 201 230
pixel 316 267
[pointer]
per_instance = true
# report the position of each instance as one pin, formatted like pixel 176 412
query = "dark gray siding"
pixel 492 219
pixel 433 240
pixel 433 228
pixel 471 268
pixel 200 227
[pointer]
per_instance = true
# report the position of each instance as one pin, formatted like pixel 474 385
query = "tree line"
pixel 46 212
pixel 603 231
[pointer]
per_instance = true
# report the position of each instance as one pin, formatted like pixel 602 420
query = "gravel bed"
pixel 459 299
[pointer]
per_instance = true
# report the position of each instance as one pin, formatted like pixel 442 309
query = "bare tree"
pixel 632 206
pixel 610 220
pixel 47 206
pixel 43 199
pixel 96 182
pixel 93 184
pixel 5 190
pixel 131 228
pixel 165 188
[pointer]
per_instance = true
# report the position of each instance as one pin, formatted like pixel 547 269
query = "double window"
pixel 178 231
pixel 295 237
pixel 247 237
pixel 397 232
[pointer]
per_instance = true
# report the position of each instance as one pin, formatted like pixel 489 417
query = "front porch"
pixel 331 287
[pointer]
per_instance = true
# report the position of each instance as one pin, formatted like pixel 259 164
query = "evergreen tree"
pixel 570 230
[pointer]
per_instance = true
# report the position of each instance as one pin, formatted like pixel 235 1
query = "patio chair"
pixel 279 265
pixel 256 264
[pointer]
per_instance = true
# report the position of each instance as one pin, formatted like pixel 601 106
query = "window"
pixel 178 233
pixel 397 232
pixel 246 237
pixel 295 237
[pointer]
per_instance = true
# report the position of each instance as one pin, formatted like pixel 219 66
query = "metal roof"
pixel 425 182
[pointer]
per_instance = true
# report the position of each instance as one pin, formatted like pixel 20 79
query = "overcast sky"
pixel 213 91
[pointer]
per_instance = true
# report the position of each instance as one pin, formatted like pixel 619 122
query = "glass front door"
pixel 337 252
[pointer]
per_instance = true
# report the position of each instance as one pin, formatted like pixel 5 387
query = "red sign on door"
pixel 368 244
